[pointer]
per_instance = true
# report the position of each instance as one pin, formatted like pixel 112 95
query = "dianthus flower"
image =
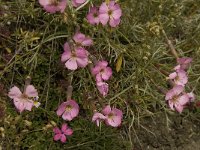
pixel 93 16
pixel 77 3
pixel 179 77
pixel 52 6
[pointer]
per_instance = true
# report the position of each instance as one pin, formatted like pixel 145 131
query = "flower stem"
pixel 169 43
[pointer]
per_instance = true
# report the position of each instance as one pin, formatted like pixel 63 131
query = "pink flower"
pixel 93 16
pixel 176 99
pixel 183 63
pixel 113 116
pixel 23 101
pixel 68 110
pixel 191 96
pixel 61 134
pixel 82 40
pixel 179 77
pixel 110 12
pixel 97 117
pixel 77 3
pixel 101 71
pixel 74 59
pixel 52 6
pixel 103 88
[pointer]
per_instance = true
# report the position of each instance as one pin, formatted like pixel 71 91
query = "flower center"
pixel 24 96
pixel 95 15
pixel 175 98
pixel 68 108
pixel 54 2
pixel 111 116
pixel 110 12
pixel 73 54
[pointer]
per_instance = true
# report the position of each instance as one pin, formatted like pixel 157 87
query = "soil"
pixel 168 133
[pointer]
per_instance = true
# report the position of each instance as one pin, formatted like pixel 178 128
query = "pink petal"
pixel 116 14
pixel 65 56
pixel 107 73
pixel 63 138
pixel 62 5
pixel 28 105
pixel 81 53
pixel 64 127
pixel 102 64
pixel 114 22
pixel 68 131
pixel 103 8
pixel 51 8
pixel 103 88
pixel 87 42
pixel 19 104
pixel 71 64
pixel 67 116
pixel 183 99
pixel 44 2
pixel 82 62
pixel 30 91
pixel 14 92
pixel 103 18
pixel 67 47
pixel 178 89
pixel 191 96
pixel 57 137
pixel 171 104
pixel 56 130
pixel 98 116
pixel 106 110
pixel 117 112
pixel 173 75
pixel 79 37
pixel 114 122
pixel 96 70
pixel 178 107
pixel 61 109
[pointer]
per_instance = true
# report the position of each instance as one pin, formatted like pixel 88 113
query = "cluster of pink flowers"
pixel 75 55
pixel 102 73
pixel 26 100
pixel 177 98
pixel 109 12
pixel 53 6
pixel 111 116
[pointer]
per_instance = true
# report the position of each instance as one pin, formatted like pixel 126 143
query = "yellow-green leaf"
pixel 119 63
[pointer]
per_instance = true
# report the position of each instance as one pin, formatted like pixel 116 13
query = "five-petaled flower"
pixel 68 110
pixel 101 71
pixel 113 116
pixel 93 16
pixel 179 77
pixel 26 100
pixel 78 57
pixel 110 12
pixel 176 98
pixel 183 63
pixel 52 6
pixel 103 88
pixel 61 134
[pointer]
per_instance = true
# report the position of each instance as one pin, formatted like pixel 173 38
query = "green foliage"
pixel 32 43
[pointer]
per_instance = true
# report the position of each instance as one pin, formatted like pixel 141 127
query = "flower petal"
pixel 30 91
pixel 106 110
pixel 61 109
pixel 14 92
pixel 71 64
